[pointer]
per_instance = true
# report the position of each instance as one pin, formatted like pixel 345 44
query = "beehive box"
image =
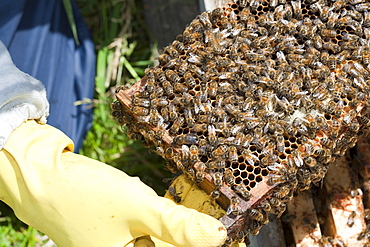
pixel 254 100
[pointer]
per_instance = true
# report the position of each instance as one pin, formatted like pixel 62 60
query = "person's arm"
pixel 22 97
pixel 78 201
pixel 75 200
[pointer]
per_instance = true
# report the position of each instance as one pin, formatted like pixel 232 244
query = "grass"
pixel 123 52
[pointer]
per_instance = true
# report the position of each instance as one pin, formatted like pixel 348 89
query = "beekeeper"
pixel 73 199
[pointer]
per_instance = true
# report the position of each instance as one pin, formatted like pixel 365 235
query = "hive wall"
pixel 258 92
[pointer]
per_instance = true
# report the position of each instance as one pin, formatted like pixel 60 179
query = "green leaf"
pixel 71 19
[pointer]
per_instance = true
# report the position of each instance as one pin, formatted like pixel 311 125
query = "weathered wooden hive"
pixel 254 100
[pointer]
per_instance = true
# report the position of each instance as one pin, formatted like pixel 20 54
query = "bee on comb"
pixel 255 99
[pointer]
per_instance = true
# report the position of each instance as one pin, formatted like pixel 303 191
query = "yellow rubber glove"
pixel 78 201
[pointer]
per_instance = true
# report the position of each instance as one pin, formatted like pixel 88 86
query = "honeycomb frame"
pixel 270 92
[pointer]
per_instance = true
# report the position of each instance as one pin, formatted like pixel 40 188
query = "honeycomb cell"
pixel 252 184
pixel 241 166
pixel 236 173
pixel 238 180
pixel 257 170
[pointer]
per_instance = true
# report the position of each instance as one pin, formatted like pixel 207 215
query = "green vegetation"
pixel 123 52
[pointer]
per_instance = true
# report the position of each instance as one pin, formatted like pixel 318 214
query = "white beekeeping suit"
pixel 22 97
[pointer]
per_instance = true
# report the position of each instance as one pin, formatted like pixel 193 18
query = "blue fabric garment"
pixel 40 41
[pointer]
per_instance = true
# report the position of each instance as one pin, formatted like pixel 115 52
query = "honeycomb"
pixel 255 100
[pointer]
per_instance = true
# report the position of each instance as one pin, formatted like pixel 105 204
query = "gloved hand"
pixel 22 97
pixel 78 201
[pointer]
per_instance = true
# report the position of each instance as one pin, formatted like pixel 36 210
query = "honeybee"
pixel 255 214
pixel 188 139
pixel 354 126
pixel 243 3
pixel 212 138
pixel 171 51
pixel 280 146
pixel 274 3
pixel 175 196
pixel 362 7
pixel 367 18
pixel 194 150
pixel 216 13
pixel 243 191
pixel 310 161
pixel 189 120
pixel 204 19
pixel 220 152
pixel 176 125
pixel 332 20
pixel 190 173
pixel 324 12
pixel 233 154
pixel 228 177
pixel 180 88
pixel 297 8
pixel 179 46
pixel 150 84
pixel 117 114
pixel 172 76
pixel 171 166
pixel 282 192
pixel 276 179
pixel 141 102
pixel 189 79
pixel 212 90
pixel 206 119
pixel 333 47
pixel 332 62
pixel 337 94
pixel 172 113
pixel 217 179
pixel 265 206
pixel 324 58
pixel 335 129
pixel 279 12
pixel 158 92
pixel 164 59
pixel 155 119
pixel 351 219
pixel 361 69
pixel 159 102
pixel 169 153
pixel 199 128
pixel 255 226
pixel 274 202
pixel 183 68
pixel 366 57
pixel 217 164
pixel 348 117
pixel 167 88
pixel 141 111
pixel 249 156
pixel 199 176
pixel 215 194
pixel 297 158
pixel 233 207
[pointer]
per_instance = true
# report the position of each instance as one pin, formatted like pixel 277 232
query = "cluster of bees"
pixel 256 92
pixel 366 233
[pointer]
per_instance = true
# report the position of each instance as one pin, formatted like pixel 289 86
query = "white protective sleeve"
pixel 22 97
